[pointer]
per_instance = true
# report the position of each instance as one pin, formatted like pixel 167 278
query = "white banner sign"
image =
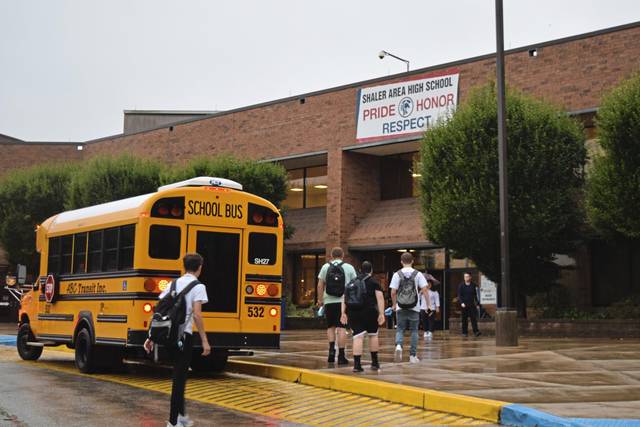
pixel 488 291
pixel 406 108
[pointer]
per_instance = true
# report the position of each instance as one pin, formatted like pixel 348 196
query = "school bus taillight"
pixel 155 285
pixel 147 308
pixel 273 312
pixel 249 289
pixel 272 290
pixel 261 290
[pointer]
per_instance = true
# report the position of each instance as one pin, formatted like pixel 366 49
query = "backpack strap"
pixel 339 264
pixel 414 274
pixel 190 286
pixel 172 287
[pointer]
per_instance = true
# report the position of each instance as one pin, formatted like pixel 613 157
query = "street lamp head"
pixel 382 54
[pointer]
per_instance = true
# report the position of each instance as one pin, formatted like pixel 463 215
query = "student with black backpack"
pixel 405 286
pixel 332 279
pixel 184 296
pixel 363 308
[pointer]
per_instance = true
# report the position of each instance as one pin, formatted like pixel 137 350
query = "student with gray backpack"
pixel 184 298
pixel 363 309
pixel 406 284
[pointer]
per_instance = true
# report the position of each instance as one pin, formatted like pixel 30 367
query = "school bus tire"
pixel 86 360
pixel 27 352
pixel 215 362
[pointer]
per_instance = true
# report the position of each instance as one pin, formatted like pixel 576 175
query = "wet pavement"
pixel 587 378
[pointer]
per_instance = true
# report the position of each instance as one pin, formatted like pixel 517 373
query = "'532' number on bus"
pixel 256 311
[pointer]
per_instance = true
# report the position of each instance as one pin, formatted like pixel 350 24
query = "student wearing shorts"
pixel 365 321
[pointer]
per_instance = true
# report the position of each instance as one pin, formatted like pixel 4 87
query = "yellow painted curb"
pixel 468 406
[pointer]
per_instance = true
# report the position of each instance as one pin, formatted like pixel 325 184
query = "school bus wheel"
pixel 215 362
pixel 85 355
pixel 25 351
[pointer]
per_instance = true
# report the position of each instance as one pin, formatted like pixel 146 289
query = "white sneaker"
pixel 177 424
pixel 398 348
pixel 426 335
pixel 414 359
pixel 429 335
pixel 185 421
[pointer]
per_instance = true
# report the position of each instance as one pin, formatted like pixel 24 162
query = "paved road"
pixel 34 396
pixel 51 392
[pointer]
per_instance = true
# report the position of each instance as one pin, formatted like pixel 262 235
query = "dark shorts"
pixel 332 313
pixel 363 321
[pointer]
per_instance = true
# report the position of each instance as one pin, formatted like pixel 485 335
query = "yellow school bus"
pixel 103 267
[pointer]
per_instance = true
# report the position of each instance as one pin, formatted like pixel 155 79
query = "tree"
pixel 545 171
pixel 105 179
pixel 28 197
pixel 266 180
pixel 613 184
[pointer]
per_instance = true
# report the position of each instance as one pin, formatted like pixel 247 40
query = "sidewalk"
pixel 582 378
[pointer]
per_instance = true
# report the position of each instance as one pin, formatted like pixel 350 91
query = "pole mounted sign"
pixel 406 108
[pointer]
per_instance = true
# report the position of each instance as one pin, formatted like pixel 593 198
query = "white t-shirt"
pixel 198 293
pixel 432 302
pixel 421 283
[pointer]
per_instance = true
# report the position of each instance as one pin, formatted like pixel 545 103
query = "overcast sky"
pixel 69 68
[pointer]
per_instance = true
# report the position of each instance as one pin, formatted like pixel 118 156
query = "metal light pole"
pixel 384 53
pixel 506 317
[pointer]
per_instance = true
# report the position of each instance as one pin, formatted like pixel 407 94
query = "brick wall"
pixel 17 155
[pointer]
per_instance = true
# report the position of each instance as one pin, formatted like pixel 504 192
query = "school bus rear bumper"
pixel 228 340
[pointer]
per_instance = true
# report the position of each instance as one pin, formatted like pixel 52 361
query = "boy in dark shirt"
pixel 468 299
pixel 366 320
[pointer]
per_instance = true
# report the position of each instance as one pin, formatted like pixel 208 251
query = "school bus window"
pixel 66 254
pixel 53 262
pixel 164 242
pixel 125 258
pixel 262 248
pixel 79 252
pixel 95 251
pixel 110 252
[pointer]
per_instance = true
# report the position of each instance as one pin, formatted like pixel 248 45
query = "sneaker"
pixel 174 425
pixel 185 421
pixel 426 335
pixel 465 335
pixel 375 367
pixel 398 348
pixel 343 360
pixel 414 359
pixel 358 369
pixel 477 333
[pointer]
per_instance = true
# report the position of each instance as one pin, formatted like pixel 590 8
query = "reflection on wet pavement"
pixel 570 377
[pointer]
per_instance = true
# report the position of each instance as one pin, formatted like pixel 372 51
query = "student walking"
pixel 194 298
pixel 406 284
pixel 333 277
pixel 469 303
pixel 363 309
pixel 429 306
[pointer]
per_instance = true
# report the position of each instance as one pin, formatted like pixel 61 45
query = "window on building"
pixel 307 188
pixel 399 176
pixel 306 269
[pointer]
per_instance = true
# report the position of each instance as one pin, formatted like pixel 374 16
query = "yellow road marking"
pixel 292 402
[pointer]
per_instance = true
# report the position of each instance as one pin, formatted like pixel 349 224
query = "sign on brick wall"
pixel 406 108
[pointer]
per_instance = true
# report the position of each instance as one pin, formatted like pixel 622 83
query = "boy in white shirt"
pixel 429 306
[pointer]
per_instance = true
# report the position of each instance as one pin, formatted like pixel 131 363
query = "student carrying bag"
pixel 170 314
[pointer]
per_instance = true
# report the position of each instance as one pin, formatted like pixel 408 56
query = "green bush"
pixel 28 197
pixel 613 185
pixel 459 186
pixel 266 180
pixel 104 179
pixel 627 308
